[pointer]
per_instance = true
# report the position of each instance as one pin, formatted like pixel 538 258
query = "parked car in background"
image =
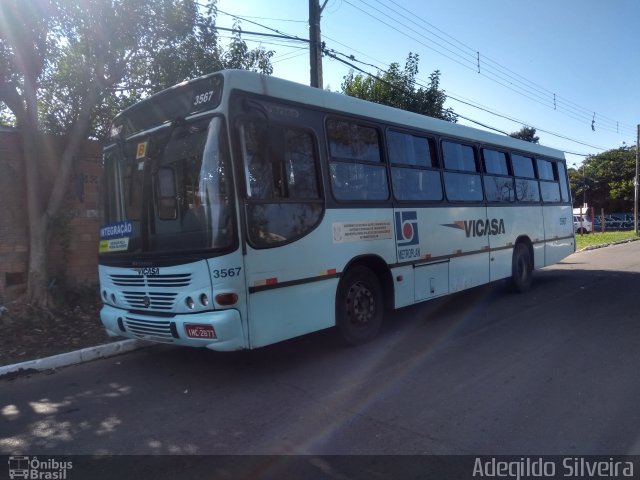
pixel 581 224
pixel 614 222
pixel 627 220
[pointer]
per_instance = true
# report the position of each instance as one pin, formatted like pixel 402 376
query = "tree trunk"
pixel 37 274
pixel 37 286
pixel 41 213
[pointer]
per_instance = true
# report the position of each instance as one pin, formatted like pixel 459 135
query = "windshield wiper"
pixel 162 144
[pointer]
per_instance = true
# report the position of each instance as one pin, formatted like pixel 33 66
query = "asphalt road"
pixel 552 371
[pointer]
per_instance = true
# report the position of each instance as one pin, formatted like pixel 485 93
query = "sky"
pixel 569 68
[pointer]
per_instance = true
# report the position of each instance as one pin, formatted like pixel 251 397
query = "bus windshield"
pixel 169 191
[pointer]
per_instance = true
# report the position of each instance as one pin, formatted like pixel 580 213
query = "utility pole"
pixel 315 45
pixel 635 185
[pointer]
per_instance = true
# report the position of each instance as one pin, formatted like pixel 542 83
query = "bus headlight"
pixel 204 300
pixel 190 303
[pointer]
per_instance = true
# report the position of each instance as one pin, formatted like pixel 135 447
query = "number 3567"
pixel 226 272
pixel 203 97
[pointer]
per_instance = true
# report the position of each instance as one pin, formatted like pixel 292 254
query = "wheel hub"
pixel 362 304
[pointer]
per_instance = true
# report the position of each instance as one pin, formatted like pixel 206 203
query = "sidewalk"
pixel 72 358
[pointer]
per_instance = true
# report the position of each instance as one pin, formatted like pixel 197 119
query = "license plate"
pixel 200 331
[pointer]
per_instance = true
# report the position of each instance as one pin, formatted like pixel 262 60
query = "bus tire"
pixel 521 268
pixel 359 306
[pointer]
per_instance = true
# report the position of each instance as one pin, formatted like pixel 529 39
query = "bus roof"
pixel 337 102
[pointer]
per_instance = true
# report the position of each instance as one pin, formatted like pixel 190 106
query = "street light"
pixel 584 187
pixel 584 192
pixel 635 184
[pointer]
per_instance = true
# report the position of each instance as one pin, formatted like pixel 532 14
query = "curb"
pixel 603 245
pixel 77 356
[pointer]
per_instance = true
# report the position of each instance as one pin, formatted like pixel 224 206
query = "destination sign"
pixel 182 100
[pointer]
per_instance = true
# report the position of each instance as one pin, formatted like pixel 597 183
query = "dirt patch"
pixel 27 333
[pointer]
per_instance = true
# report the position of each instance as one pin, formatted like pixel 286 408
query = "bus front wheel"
pixel 359 306
pixel 521 268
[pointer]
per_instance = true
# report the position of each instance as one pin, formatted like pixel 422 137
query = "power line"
pixel 469 103
pixel 334 55
pixel 492 70
pixel 513 80
pixel 264 26
pixel 507 117
pixel 460 62
pixel 514 74
pixel 276 19
pixel 262 34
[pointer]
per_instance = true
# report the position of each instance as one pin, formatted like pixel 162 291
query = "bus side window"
pixel 283 194
pixel 461 178
pixel 527 188
pixel 548 175
pixel 357 171
pixel 258 171
pixel 562 177
pixel 498 185
pixel 414 167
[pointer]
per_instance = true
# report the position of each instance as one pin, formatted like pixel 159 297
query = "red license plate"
pixel 200 331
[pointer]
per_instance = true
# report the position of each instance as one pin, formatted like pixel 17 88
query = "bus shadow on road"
pixel 444 319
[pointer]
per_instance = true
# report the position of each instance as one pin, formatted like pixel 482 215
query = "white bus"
pixel 241 210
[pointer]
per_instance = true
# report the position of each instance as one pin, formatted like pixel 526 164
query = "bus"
pixel 241 210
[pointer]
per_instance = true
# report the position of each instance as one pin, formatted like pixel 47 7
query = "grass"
pixel 590 239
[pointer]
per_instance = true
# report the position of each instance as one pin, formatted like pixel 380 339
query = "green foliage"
pixel 123 50
pixel 397 88
pixel 27 42
pixel 68 66
pixel 7 119
pixel 526 133
pixel 606 180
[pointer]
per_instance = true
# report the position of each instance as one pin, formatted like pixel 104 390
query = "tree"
pixel 397 88
pixel 66 66
pixel 26 44
pixel 184 45
pixel 607 179
pixel 526 133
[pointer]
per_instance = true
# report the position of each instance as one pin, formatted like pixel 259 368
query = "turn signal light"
pixel 227 299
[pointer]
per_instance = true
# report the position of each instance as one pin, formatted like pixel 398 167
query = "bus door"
pixel 505 223
pixel 465 227
pixel 506 220
pixel 466 242
pixel 288 281
pixel 558 225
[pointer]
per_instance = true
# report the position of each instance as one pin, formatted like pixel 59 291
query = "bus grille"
pixel 160 330
pixel 155 281
pixel 152 300
pixel 151 292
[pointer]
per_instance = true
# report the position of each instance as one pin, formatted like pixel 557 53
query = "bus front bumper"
pixel 218 330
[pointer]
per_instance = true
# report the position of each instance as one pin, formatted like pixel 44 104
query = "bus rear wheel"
pixel 359 306
pixel 521 268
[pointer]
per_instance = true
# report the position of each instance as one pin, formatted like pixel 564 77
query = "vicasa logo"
pixel 480 227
